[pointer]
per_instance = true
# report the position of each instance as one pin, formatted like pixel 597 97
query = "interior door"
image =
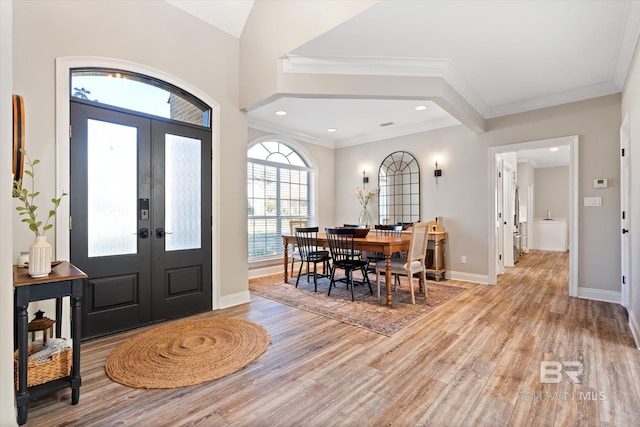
pixel 140 217
pixel 625 195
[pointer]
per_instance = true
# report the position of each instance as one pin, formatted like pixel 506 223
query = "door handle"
pixel 143 233
pixel 160 233
pixel 624 230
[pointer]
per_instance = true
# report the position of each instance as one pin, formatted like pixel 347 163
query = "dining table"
pixel 387 245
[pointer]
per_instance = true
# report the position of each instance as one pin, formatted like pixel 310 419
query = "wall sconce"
pixel 437 172
pixel 365 178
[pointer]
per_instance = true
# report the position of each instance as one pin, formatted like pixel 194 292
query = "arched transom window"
pixel 279 190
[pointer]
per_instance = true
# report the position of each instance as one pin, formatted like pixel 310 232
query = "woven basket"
pixel 54 366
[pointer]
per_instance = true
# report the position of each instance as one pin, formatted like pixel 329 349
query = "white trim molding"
pixel 235 299
pixel 483 279
pixel 64 65
pixel 599 295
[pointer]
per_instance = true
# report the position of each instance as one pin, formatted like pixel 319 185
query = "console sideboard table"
pixel 64 280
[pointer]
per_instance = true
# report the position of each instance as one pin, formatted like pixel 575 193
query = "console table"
pixel 438 267
pixel 64 280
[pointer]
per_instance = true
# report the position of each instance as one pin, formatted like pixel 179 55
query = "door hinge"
pixel 622 152
pixel 500 257
pixel 623 281
pixel 70 223
pixel 623 215
pixel 499 174
pixel 70 131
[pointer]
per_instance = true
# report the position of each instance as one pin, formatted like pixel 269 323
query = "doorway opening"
pixel 499 231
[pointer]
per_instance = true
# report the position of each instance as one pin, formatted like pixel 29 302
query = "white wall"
pixel 7 391
pixel 551 192
pixel 631 107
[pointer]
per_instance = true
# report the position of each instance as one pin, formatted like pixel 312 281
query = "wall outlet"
pixel 463 259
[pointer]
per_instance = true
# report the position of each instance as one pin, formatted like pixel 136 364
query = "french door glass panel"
pixel 112 177
pixel 182 193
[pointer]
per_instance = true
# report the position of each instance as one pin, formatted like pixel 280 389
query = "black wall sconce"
pixel 437 172
pixel 365 178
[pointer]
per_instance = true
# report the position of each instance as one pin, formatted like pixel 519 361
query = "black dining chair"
pixel 344 257
pixel 307 242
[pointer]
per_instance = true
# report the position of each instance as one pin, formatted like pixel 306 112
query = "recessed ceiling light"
pixel 553 149
pixel 331 130
pixel 281 113
pixel 421 107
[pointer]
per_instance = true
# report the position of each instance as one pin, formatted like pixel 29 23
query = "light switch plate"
pixel 593 201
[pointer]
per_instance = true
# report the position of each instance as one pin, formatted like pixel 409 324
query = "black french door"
pixel 141 217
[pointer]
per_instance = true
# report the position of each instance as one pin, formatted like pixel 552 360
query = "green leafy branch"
pixel 29 209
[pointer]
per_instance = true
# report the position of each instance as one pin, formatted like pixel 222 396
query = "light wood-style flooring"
pixel 474 361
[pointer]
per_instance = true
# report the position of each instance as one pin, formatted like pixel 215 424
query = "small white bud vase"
pixel 40 257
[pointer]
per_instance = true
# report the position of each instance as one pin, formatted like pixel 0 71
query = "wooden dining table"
pixel 387 245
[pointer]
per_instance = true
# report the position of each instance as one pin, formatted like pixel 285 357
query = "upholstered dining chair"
pixel 344 257
pixel 295 253
pixel 414 263
pixel 307 242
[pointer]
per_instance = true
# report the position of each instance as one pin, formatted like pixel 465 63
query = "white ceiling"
pixel 545 157
pixel 503 57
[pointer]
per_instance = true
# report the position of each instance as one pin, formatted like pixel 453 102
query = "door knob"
pixel 143 233
pixel 624 230
pixel 160 233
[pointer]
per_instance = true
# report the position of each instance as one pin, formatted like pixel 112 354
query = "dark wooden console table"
pixel 64 280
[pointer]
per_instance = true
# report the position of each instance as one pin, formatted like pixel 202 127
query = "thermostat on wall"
pixel 600 183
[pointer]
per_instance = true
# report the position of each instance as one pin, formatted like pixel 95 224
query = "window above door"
pixel 139 93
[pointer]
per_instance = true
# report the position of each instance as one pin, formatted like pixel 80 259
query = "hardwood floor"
pixel 475 361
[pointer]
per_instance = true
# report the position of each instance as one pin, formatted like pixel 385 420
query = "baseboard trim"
pixel 635 328
pixel 599 295
pixel 235 299
pixel 467 277
pixel 267 271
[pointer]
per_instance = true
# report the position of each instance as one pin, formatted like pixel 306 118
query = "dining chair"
pixel 414 263
pixel 381 230
pixel 343 257
pixel 307 242
pixel 295 253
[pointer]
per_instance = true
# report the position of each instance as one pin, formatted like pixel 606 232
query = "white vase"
pixel 40 257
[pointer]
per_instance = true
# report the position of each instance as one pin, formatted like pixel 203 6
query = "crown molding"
pixel 268 127
pixel 566 97
pixel 628 40
pixel 443 122
pixel 348 142
pixel 386 66
pixel 444 68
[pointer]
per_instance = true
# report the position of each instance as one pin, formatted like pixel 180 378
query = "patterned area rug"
pixel 367 311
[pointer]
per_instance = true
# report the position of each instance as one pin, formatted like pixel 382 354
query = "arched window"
pixel 136 92
pixel 279 190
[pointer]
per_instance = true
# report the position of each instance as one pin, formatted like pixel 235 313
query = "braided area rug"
pixel 187 352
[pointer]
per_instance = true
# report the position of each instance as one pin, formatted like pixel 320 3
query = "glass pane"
pixel 112 163
pixel 139 93
pixel 182 193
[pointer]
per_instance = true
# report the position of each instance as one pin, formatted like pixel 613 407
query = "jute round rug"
pixel 187 352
